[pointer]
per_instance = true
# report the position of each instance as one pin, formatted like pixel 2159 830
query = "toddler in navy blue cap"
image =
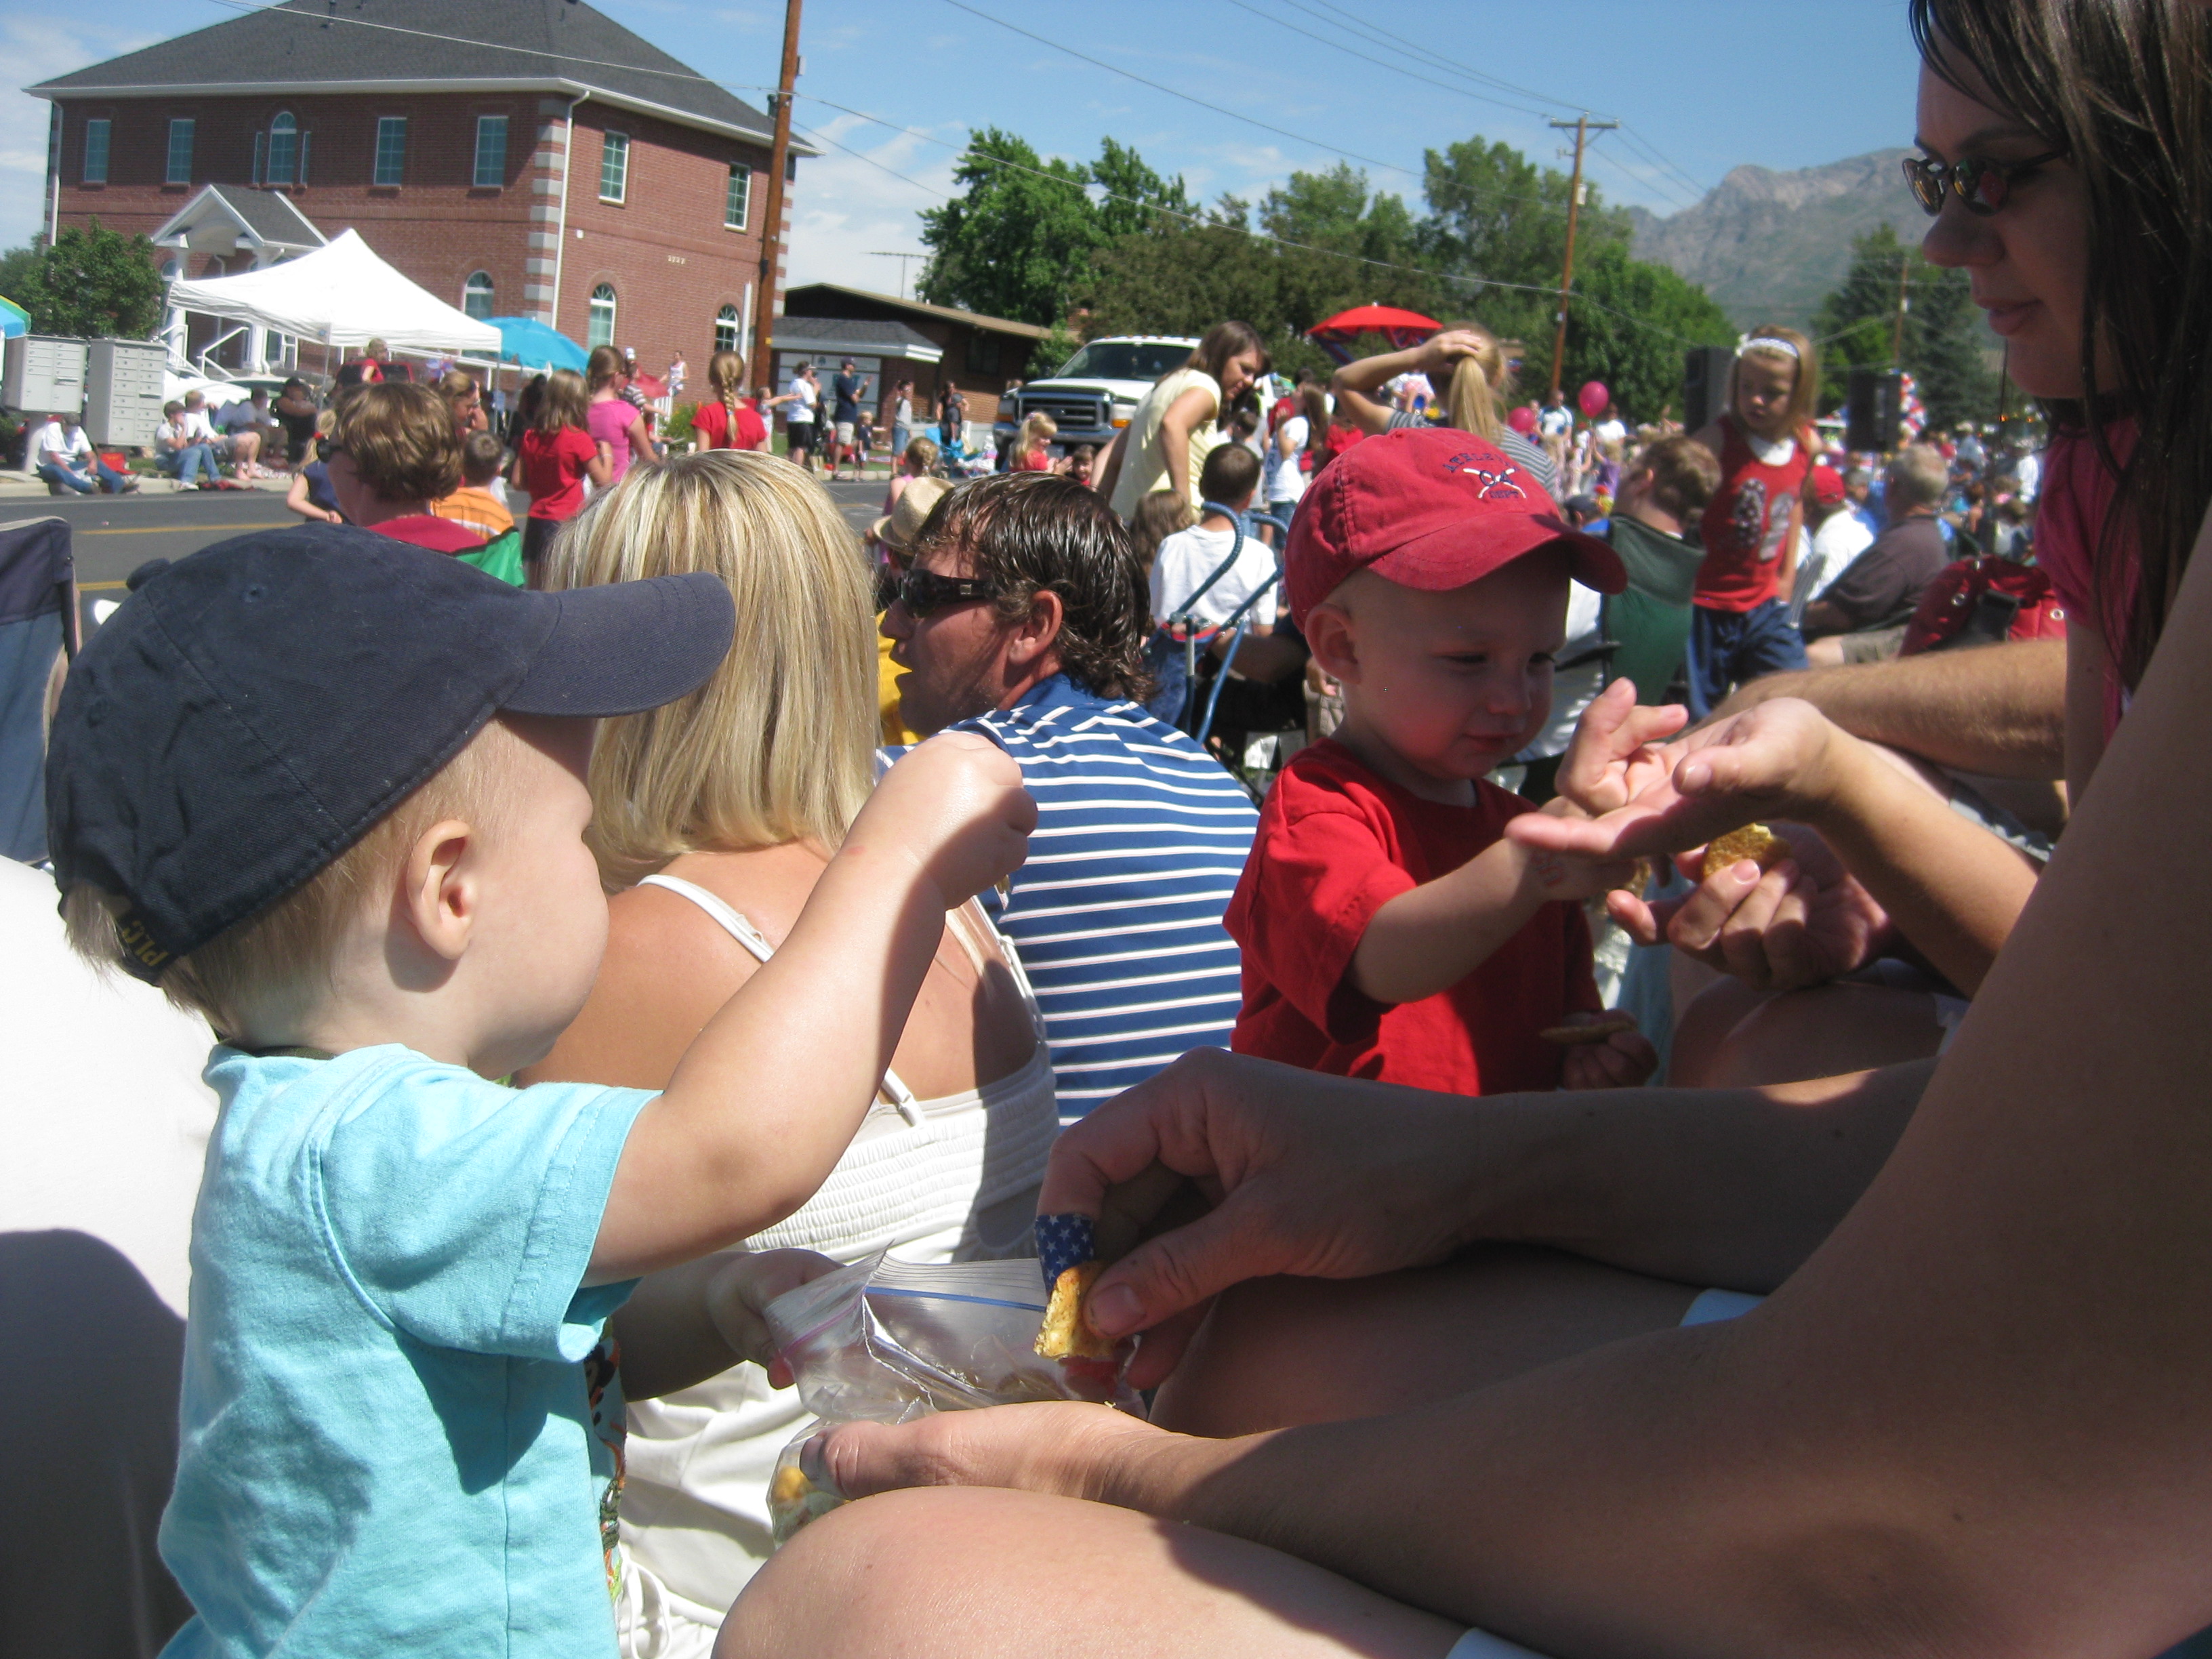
pixel 328 790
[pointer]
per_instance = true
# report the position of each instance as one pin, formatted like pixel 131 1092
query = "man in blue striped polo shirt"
pixel 1024 616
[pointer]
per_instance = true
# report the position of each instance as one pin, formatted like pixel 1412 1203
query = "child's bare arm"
pixel 771 1092
pixel 685 1324
pixel 1429 939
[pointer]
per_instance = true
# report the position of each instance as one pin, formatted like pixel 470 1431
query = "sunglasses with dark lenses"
pixel 924 591
pixel 1982 184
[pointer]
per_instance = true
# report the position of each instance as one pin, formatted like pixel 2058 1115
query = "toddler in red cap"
pixel 1389 928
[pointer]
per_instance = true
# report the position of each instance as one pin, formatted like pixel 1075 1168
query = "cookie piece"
pixel 1597 1031
pixel 1066 1334
pixel 1754 842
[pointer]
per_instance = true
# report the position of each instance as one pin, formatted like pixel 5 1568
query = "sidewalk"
pixel 18 486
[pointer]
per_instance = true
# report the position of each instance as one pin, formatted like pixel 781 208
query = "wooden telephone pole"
pixel 763 364
pixel 1584 127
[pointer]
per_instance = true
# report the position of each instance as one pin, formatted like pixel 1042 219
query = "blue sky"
pixel 1703 85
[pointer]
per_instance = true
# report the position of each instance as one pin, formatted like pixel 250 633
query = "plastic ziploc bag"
pixel 887 1341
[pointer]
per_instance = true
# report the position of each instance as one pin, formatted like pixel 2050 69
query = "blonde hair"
pixel 277 963
pixel 779 744
pixel 1039 429
pixel 920 454
pixel 1481 386
pixel 563 404
pixel 1804 390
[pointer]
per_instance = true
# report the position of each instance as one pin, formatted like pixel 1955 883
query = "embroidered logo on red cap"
pixel 1498 484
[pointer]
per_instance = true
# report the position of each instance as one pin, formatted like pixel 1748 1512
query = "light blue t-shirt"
pixel 388 1439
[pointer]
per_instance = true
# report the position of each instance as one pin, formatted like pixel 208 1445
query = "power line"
pixel 1219 109
pixel 1396 69
pixel 1351 24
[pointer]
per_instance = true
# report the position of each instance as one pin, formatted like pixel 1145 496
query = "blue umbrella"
pixel 14 320
pixel 526 341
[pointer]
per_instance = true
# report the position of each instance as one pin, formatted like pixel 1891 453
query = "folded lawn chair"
pixel 37 627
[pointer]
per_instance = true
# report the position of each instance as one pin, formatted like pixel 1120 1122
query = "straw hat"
pixel 898 528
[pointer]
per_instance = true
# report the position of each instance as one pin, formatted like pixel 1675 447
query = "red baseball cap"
pixel 1432 508
pixel 1827 486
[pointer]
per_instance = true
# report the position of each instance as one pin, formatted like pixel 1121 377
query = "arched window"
pixel 599 327
pixel 725 330
pixel 476 294
pixel 283 148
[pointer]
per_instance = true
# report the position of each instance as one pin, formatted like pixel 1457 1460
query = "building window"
pixel 599 326
pixel 491 152
pixel 791 169
pixel 283 150
pixel 983 353
pixel 614 166
pixel 476 294
pixel 96 135
pixel 740 197
pixel 390 150
pixel 180 168
pixel 725 330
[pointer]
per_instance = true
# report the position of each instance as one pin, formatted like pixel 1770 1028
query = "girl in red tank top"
pixel 1750 526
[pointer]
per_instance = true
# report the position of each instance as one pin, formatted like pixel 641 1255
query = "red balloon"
pixel 1593 398
pixel 1522 419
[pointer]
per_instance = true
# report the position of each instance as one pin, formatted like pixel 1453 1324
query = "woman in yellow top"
pixel 1178 421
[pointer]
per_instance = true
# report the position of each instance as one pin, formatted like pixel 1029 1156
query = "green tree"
pixel 1943 346
pixel 1014 244
pixel 18 269
pixel 1628 324
pixel 92 282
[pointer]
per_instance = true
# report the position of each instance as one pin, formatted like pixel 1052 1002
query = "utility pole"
pixel 763 364
pixel 1584 127
pixel 904 260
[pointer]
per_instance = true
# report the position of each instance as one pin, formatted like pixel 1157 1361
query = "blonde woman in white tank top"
pixel 713 819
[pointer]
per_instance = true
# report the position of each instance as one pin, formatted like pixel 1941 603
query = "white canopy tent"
pixel 342 296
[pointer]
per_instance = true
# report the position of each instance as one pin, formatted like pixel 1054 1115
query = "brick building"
pixel 515 157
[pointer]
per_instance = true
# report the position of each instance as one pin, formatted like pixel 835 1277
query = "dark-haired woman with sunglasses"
pixel 1972 1418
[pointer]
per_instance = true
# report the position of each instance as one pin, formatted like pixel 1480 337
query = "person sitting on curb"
pixel 65 458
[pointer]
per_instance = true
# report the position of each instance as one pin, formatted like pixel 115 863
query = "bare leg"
pixel 977 1573
pixel 1279 1352
pixel 1825 1031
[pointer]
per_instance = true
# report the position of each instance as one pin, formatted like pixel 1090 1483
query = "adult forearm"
pixel 1953 890
pixel 1709 1187
pixel 2000 709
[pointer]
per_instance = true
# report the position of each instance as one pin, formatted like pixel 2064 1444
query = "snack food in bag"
pixel 888 1341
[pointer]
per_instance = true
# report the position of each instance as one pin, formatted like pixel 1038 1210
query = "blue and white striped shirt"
pixel 1140 837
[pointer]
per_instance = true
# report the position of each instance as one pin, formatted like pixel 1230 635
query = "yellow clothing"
pixel 1143 467
pixel 887 697
pixel 477 508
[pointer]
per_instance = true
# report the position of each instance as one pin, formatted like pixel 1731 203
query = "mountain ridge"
pixel 1769 245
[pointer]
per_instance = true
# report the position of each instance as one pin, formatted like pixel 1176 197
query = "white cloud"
pixel 846 210
pixel 35 48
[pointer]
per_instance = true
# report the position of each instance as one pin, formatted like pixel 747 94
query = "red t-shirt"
pixel 711 422
pixel 1034 460
pixel 425 530
pixel 553 471
pixel 2077 490
pixel 1746 523
pixel 1335 844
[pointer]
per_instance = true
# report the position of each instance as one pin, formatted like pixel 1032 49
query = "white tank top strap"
pixel 734 922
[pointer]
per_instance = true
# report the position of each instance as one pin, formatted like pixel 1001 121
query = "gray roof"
pixel 861 337
pixel 863 296
pixel 304 45
pixel 269 216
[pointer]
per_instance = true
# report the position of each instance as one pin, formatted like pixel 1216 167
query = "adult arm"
pixel 1971 1423
pixel 600 469
pixel 1353 386
pixel 1999 710
pixel 2088 667
pixel 640 441
pixel 1950 887
pixel 297 498
pixel 1109 465
pixel 1178 421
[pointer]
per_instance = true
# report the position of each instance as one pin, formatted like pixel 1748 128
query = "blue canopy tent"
pixel 534 346
pixel 14 321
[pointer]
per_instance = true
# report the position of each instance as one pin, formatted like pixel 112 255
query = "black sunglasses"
pixel 924 591
pixel 1982 184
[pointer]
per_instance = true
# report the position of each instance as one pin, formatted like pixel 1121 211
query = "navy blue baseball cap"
pixel 252 711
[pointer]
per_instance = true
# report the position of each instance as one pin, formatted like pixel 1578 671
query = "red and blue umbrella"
pixel 1404 330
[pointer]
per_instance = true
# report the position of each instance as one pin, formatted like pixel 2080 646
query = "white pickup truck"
pixel 1092 396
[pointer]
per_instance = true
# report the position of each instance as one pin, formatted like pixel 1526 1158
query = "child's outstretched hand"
pixel 1622 1061
pixel 740 1292
pixel 956 805
pixel 1564 875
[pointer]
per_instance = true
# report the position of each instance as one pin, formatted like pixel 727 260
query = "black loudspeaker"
pixel 1873 412
pixel 1704 385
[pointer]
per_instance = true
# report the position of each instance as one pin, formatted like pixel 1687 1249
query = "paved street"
pixel 113 535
